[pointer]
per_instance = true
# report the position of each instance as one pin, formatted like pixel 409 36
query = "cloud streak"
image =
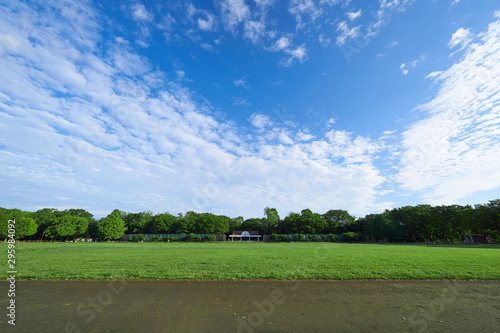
pixel 455 150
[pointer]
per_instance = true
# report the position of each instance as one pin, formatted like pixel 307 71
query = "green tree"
pixel 24 225
pixel 235 224
pixel 311 223
pixel 137 223
pixel 162 223
pixel 291 224
pixel 68 226
pixel 45 218
pixel 253 224
pixel 337 220
pixel 112 227
pixel 270 222
pixel 180 226
pixel 221 225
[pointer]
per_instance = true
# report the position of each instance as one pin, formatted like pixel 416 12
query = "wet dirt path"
pixel 253 306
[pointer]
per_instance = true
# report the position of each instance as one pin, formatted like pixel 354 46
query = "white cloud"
pixel 455 151
pixel 299 8
pixel 386 10
pixel 207 47
pixel 233 12
pixel 462 37
pixel 204 19
pixel 303 136
pixel 180 74
pixel 346 32
pixel 323 40
pixel 240 101
pixel 254 30
pixel 260 120
pixel 140 13
pixel 413 64
pixel 354 15
pixel 264 3
pixel 298 53
pixel 282 43
pixel 241 82
pixel 393 43
pixel 404 70
pixel 434 74
pixel 207 23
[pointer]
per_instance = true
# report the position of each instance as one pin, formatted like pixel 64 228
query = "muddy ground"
pixel 253 306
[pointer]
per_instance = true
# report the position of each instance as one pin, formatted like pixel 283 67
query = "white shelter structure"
pixel 246 236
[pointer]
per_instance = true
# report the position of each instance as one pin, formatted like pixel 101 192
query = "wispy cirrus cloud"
pixel 346 33
pixel 354 15
pixel 140 13
pixel 296 53
pixel 233 12
pixel 462 37
pixel 455 150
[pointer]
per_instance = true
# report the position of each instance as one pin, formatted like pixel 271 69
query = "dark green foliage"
pixel 338 220
pixel 24 224
pixel 139 238
pixel 235 224
pixel 284 238
pixel 67 224
pixel 112 227
pixel 209 238
pixel 155 239
pixel 138 222
pixel 383 227
pixel 350 237
pixel 67 227
pixel 305 223
pixel 333 238
pixel 253 225
pixel 313 238
pixel 270 222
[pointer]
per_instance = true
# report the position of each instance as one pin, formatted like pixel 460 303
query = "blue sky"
pixel 229 106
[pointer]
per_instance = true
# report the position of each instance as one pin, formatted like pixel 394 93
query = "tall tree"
pixel 113 226
pixel 235 224
pixel 270 223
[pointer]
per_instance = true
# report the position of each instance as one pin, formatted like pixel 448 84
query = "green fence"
pixel 148 237
pixel 306 237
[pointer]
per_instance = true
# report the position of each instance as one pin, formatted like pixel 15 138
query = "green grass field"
pixel 252 261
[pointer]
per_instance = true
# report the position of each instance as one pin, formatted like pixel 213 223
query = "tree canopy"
pixel 421 223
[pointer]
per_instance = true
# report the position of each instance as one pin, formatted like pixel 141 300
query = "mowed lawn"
pixel 243 260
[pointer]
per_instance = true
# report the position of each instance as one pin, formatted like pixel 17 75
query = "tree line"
pixel 421 223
